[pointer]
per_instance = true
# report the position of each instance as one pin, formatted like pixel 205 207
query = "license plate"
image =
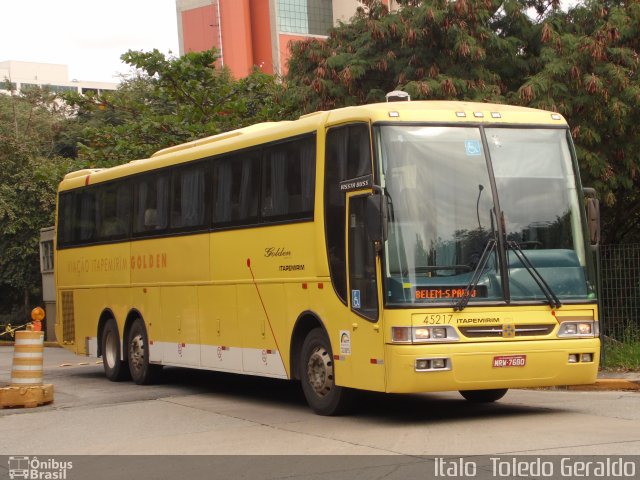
pixel 509 361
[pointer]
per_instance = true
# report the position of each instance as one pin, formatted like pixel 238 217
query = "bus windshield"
pixel 449 205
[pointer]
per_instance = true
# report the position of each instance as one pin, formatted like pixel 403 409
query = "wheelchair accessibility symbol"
pixel 473 148
pixel 355 298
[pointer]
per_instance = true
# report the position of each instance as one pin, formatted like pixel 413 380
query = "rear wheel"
pixel 483 396
pixel 318 378
pixel 114 368
pixel 142 372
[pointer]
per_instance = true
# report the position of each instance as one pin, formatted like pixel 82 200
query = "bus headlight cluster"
pixel 424 334
pixel 578 329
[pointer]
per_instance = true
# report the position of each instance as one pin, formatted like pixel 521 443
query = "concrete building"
pixel 54 76
pixel 251 33
pixel 48 281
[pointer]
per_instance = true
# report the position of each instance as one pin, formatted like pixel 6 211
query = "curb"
pixel 606 384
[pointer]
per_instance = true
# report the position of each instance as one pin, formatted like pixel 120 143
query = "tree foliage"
pixel 168 101
pixel 589 73
pixel 437 49
pixel 582 63
pixel 31 169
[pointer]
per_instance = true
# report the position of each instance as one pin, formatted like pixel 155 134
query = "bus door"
pixel 366 340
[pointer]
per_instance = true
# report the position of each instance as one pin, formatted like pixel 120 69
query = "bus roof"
pixel 393 112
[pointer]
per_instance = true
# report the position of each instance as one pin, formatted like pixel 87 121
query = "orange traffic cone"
pixel 27 389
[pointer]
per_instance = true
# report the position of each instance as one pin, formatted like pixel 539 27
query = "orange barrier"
pixel 26 389
pixel 27 358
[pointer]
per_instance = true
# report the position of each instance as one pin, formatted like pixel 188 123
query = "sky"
pixel 87 36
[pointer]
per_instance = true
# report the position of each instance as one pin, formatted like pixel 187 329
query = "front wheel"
pixel 114 368
pixel 142 372
pixel 318 377
pixel 483 396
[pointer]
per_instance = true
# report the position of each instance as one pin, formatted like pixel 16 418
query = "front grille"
pixel 496 331
pixel 68 318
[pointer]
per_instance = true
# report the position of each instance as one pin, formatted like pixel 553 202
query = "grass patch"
pixel 621 356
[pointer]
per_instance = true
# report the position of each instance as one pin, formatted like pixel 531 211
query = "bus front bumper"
pixel 479 366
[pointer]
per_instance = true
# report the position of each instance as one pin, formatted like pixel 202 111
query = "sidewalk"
pixel 608 380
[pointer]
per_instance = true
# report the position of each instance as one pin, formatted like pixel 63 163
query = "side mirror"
pixel 592 206
pixel 376 218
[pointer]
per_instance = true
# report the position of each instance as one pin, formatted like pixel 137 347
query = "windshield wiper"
pixel 554 301
pixel 475 278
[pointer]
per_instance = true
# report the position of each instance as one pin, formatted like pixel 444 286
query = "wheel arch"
pixel 306 322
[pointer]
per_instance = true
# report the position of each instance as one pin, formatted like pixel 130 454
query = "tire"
pixel 318 379
pixel 115 369
pixel 483 396
pixel 142 372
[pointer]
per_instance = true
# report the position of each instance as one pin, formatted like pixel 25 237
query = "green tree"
pixel 168 101
pixel 436 49
pixel 582 63
pixel 589 73
pixel 31 169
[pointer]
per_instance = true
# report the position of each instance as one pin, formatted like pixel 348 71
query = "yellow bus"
pixel 395 247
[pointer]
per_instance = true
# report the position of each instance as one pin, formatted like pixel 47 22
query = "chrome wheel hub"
pixel 136 352
pixel 320 371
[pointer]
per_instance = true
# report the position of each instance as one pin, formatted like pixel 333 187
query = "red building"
pixel 252 33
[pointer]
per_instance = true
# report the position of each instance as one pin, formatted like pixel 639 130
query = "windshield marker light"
pixel 478 114
pixel 461 114
pixel 555 116
pixel 394 114
pixel 496 115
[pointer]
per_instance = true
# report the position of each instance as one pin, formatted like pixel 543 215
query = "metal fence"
pixel 620 283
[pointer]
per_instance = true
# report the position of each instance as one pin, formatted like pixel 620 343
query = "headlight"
pixel 424 334
pixel 578 329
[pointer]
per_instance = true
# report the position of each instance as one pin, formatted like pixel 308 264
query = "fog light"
pixel 423 364
pixel 573 358
pixel 438 363
pixel 586 357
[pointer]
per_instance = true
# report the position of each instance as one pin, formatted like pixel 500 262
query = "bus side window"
pixel 67 226
pixel 188 200
pixel 288 176
pixel 114 210
pixel 151 193
pixel 87 215
pixel 236 186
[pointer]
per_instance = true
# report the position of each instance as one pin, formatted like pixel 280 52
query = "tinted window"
pixel 151 203
pixel 236 183
pixel 188 199
pixel 113 204
pixel 348 155
pixel 288 176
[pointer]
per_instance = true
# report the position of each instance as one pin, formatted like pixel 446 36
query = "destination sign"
pixel 436 292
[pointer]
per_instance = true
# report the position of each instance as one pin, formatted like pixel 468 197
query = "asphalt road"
pixel 199 412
